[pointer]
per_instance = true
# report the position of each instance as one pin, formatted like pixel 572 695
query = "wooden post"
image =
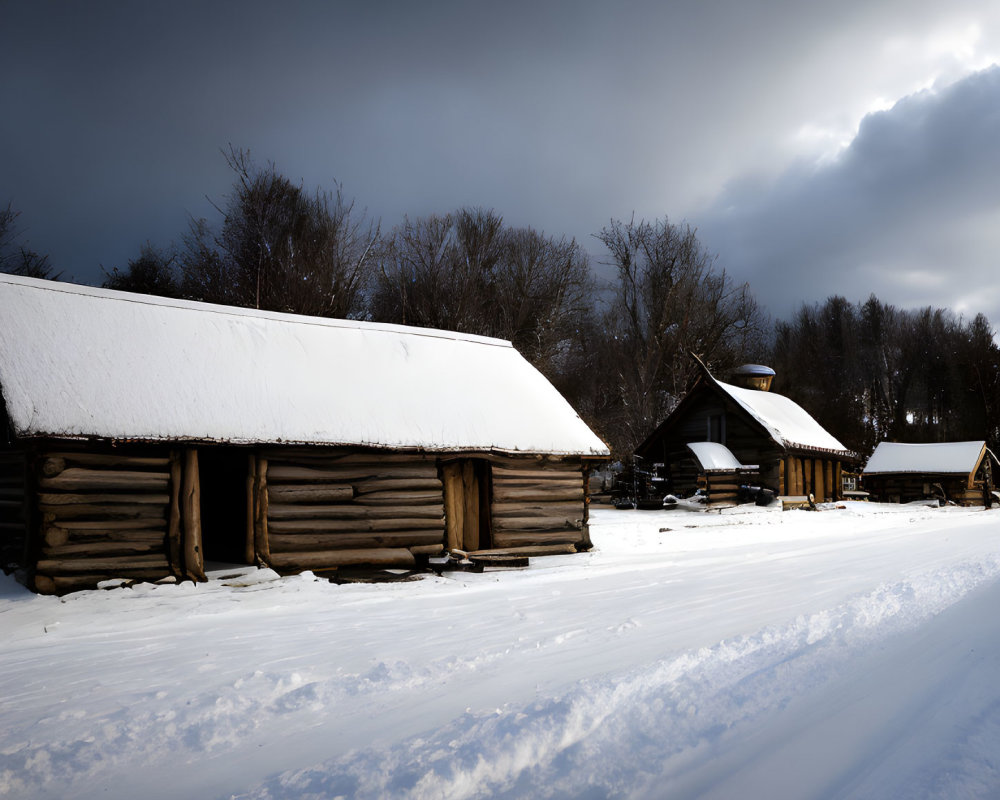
pixel 454 509
pixel 819 481
pixel 831 490
pixel 470 507
pixel 782 485
pixel 174 524
pixel 194 563
pixel 262 548
pixel 798 482
pixel 838 480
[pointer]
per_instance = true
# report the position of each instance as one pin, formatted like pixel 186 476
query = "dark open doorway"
pixel 223 472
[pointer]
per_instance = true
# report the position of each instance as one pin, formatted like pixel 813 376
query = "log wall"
pixel 324 508
pixel 103 515
pixel 906 487
pixel 538 501
pixel 13 511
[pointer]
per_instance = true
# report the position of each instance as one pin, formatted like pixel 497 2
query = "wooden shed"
pixel 958 472
pixel 793 453
pixel 141 437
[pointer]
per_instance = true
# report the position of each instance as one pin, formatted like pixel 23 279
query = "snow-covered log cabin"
pixel 793 453
pixel 141 437
pixel 958 472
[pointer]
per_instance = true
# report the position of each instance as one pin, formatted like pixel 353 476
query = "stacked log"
pixel 102 515
pixel 329 508
pixel 13 525
pixel 722 488
pixel 538 501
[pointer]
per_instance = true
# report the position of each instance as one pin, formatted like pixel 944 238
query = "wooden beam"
pixel 194 563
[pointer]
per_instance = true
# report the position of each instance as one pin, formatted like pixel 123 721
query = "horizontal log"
pixel 309 493
pixel 100 498
pixel 536 523
pixel 11 492
pixel 76 478
pixel 112 524
pixel 141 511
pixel 426 549
pixel 11 456
pixel 352 525
pixel 537 475
pixel 63 584
pixel 510 510
pixel 303 542
pixel 424 498
pixel 536 538
pixel 102 549
pixel 118 566
pixel 528 550
pixel 12 525
pixel 110 459
pixel 383 557
pixel 547 463
pixel 371 485
pixel 10 504
pixel 503 493
pixel 347 511
pixel 296 474
pixel 317 456
pixel 139 535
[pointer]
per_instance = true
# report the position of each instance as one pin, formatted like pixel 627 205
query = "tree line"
pixel 618 350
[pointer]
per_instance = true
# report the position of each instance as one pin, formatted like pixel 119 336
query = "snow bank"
pixel 755 653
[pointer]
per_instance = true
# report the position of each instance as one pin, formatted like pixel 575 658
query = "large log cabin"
pixel 956 472
pixel 141 437
pixel 794 455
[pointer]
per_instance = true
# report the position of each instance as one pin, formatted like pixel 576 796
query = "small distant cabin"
pixel 142 437
pixel 769 438
pixel 957 472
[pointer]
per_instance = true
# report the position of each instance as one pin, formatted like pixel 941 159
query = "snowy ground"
pixel 753 654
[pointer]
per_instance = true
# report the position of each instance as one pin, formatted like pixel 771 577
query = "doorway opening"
pixel 223 472
pixel 467 496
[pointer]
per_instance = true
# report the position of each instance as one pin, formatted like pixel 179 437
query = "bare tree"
pixel 281 248
pixel 18 259
pixel 152 272
pixel 669 300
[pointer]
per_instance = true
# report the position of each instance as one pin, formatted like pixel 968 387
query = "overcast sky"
pixel 818 148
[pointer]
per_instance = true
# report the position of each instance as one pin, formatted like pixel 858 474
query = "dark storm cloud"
pixel 559 114
pixel 900 212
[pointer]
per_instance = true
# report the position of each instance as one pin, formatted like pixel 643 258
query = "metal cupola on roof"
pixel 753 376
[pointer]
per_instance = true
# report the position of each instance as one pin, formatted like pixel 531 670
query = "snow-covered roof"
pixel 786 421
pixel 949 457
pixel 77 361
pixel 715 456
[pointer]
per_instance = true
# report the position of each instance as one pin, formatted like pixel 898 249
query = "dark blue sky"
pixel 849 148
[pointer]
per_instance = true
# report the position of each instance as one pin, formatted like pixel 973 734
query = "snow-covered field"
pixel 853 652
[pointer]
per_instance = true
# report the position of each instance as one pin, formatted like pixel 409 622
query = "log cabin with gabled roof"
pixel 141 437
pixel 956 472
pixel 792 453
